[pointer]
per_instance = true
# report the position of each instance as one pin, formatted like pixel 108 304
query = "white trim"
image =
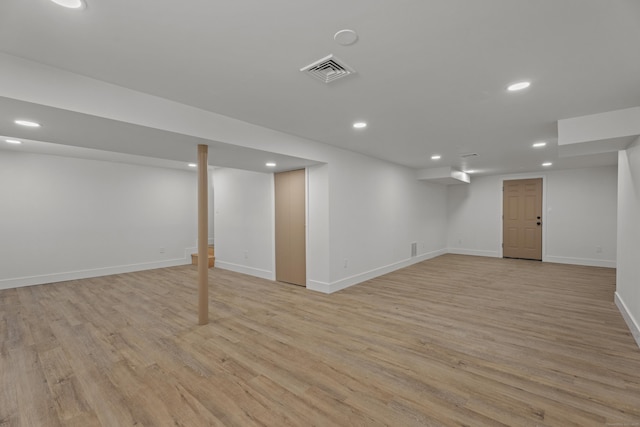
pixel 329 288
pixel 211 215
pixel 251 271
pixel 474 252
pixel 306 229
pixel 581 261
pixel 632 323
pixel 273 226
pixel 323 287
pixel 556 259
pixel 85 274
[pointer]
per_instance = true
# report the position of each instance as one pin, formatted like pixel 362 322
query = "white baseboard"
pixel 557 259
pixel 329 288
pixel 473 252
pixel 317 286
pixel 632 323
pixel 238 268
pixel 580 261
pixel 19 282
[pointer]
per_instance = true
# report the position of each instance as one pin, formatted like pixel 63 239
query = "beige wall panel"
pixel 290 227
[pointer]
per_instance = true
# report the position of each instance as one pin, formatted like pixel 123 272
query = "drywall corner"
pixel 632 323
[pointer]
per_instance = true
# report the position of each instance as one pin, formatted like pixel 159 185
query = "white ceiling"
pixel 431 73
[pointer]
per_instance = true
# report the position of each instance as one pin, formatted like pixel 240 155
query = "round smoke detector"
pixel 346 37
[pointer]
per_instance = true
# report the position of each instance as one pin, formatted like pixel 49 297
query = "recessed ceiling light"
pixel 470 171
pixel 436 157
pixel 70 4
pixel 270 165
pixel 545 164
pixel 539 144
pixel 192 165
pixel 518 86
pixel 360 125
pixel 27 123
pixel 13 141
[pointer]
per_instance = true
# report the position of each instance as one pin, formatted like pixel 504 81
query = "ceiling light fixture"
pixel 13 141
pixel 27 123
pixel 345 37
pixel 360 125
pixel 70 4
pixel 518 86
pixel 547 164
pixel 539 144
pixel 270 165
pixel 470 171
pixel 436 157
pixel 192 165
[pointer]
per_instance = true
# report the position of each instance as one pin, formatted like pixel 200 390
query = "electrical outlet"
pixel 246 254
pixel 161 250
pixel 346 263
pixel 459 241
pixel 599 249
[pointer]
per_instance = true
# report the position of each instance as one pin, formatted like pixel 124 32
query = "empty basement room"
pixel 423 213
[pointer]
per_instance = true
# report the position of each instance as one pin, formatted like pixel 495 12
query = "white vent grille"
pixel 466 156
pixel 328 69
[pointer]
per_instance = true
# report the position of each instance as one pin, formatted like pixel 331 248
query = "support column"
pixel 203 236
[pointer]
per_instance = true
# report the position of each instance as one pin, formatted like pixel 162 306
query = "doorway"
pixel 290 227
pixel 522 219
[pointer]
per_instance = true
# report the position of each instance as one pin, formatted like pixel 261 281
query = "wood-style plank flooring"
pixel 453 341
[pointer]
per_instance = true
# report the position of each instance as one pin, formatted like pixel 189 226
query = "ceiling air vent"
pixel 328 69
pixel 466 156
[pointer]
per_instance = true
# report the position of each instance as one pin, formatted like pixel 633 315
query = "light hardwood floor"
pixel 452 341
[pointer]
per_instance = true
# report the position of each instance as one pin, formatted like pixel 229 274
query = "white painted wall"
pixel 244 221
pixel 374 237
pixel 377 209
pixel 628 273
pixel 474 217
pixel 211 208
pixel 359 209
pixel 318 227
pixel 580 216
pixel 66 218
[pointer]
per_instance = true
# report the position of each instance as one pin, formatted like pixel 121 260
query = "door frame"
pixel 545 212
